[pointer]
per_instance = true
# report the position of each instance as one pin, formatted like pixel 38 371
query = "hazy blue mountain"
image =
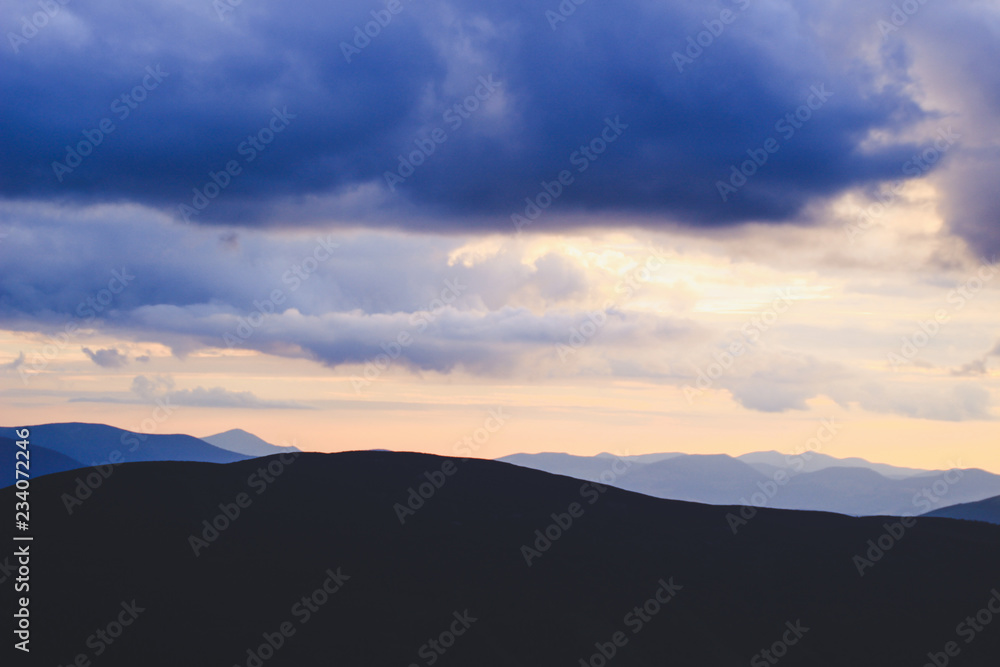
pixel 725 480
pixel 865 492
pixel 984 510
pixel 817 461
pixel 590 468
pixel 95 444
pixel 239 441
pixel 41 461
pixel 716 479
pixel 644 458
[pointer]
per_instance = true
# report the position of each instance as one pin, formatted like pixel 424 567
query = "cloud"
pixel 109 358
pixel 959 402
pixel 974 367
pixel 217 397
pixel 152 387
pixel 547 105
pixel 161 388
pixel 13 365
pixel 481 306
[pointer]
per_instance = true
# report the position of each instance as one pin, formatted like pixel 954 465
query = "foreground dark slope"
pixel 461 551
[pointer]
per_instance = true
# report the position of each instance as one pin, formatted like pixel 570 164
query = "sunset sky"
pixel 636 227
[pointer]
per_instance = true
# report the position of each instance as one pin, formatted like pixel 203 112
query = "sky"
pixel 482 228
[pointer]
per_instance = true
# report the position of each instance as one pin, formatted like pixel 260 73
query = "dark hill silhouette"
pixel 41 461
pixel 99 444
pixel 462 550
pixel 985 510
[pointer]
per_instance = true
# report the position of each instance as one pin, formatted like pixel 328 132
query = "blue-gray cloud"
pixel 160 389
pixel 109 358
pixel 208 83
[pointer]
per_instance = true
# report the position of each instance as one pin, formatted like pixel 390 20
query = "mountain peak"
pixel 242 442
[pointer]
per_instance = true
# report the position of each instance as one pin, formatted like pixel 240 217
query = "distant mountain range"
pixel 41 461
pixel 767 461
pixel 80 445
pixel 815 482
pixel 68 446
pixel 820 482
pixel 985 510
pixel 239 441
pixel 382 558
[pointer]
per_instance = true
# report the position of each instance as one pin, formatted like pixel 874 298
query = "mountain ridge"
pixel 332 520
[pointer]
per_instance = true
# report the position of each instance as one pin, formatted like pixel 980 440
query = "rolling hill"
pixel 380 558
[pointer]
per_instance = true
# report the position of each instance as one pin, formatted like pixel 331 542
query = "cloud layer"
pixel 502 98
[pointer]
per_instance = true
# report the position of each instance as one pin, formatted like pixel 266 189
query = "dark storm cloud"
pixel 207 83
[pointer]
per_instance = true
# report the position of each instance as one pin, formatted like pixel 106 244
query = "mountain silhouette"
pixel 984 510
pixel 41 461
pixel 239 441
pixel 100 444
pixel 818 461
pixel 381 558
pixel 720 479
